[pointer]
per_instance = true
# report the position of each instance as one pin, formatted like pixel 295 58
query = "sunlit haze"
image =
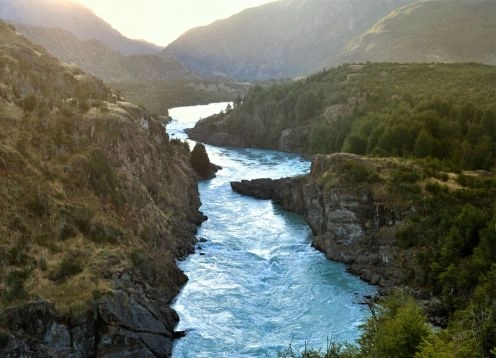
pixel 162 21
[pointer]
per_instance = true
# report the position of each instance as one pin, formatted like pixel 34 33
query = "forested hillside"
pixel 445 112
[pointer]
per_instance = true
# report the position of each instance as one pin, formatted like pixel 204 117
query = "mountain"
pixel 72 17
pixel 100 60
pixel 97 206
pixel 281 39
pixel 429 31
pixel 155 82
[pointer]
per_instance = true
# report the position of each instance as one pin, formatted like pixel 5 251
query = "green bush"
pixel 15 285
pixel 71 265
pixel 396 329
pixel 359 173
pixel 102 177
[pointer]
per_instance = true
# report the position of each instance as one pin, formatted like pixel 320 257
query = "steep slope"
pixel 95 57
pixel 441 111
pixel 429 31
pixel 281 39
pixel 155 82
pixel 72 17
pixel 97 205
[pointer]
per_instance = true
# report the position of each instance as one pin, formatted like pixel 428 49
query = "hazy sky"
pixel 162 21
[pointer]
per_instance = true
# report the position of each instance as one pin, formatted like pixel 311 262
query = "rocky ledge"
pixel 350 221
pixel 208 131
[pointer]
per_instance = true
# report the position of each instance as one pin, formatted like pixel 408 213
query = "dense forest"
pixel 446 112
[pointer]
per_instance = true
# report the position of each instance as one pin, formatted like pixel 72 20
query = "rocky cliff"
pixel 355 214
pixel 350 224
pixel 97 206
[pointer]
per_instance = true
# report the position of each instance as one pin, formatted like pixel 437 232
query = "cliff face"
pixel 97 205
pixel 350 223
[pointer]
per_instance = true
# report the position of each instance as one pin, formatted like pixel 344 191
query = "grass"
pixel 74 205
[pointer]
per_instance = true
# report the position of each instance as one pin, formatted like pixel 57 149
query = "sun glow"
pixel 162 21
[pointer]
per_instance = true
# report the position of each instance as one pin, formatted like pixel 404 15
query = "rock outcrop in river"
pixel 353 221
pixel 201 162
pixel 356 208
pixel 350 224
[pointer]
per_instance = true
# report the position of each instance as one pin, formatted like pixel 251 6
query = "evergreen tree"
pixel 423 144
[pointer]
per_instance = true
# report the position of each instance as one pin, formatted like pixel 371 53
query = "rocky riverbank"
pixel 353 221
pixel 97 206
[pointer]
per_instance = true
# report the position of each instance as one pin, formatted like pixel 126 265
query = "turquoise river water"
pixel 256 285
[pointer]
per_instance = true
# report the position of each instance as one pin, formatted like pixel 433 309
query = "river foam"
pixel 256 285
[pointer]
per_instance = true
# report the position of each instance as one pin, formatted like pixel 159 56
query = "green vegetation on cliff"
pixel 441 244
pixel 90 187
pixel 445 112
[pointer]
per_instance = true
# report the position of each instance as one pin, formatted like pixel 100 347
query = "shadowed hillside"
pixel 72 17
pixel 97 205
pixel 281 39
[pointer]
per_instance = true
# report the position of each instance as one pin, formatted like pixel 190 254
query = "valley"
pixel 299 179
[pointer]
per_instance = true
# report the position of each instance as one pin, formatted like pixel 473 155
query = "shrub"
pixel 39 202
pixel 405 175
pixel 100 233
pixel 102 177
pixel 360 173
pixel 29 103
pixel 67 231
pixel 395 329
pixel 15 285
pixel 71 265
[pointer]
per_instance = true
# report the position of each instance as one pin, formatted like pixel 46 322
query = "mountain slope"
pixel 72 17
pixel 429 31
pixel 281 39
pixel 155 82
pixel 97 205
pixel 97 58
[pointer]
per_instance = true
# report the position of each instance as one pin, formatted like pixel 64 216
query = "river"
pixel 256 285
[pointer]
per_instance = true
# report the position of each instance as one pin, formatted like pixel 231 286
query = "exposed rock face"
pixel 349 224
pixel 287 192
pixel 213 132
pixel 201 162
pixel 134 322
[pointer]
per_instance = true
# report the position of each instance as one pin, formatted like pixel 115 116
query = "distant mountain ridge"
pixel 100 60
pixel 290 38
pixel 75 18
pixel 429 31
pixel 281 39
